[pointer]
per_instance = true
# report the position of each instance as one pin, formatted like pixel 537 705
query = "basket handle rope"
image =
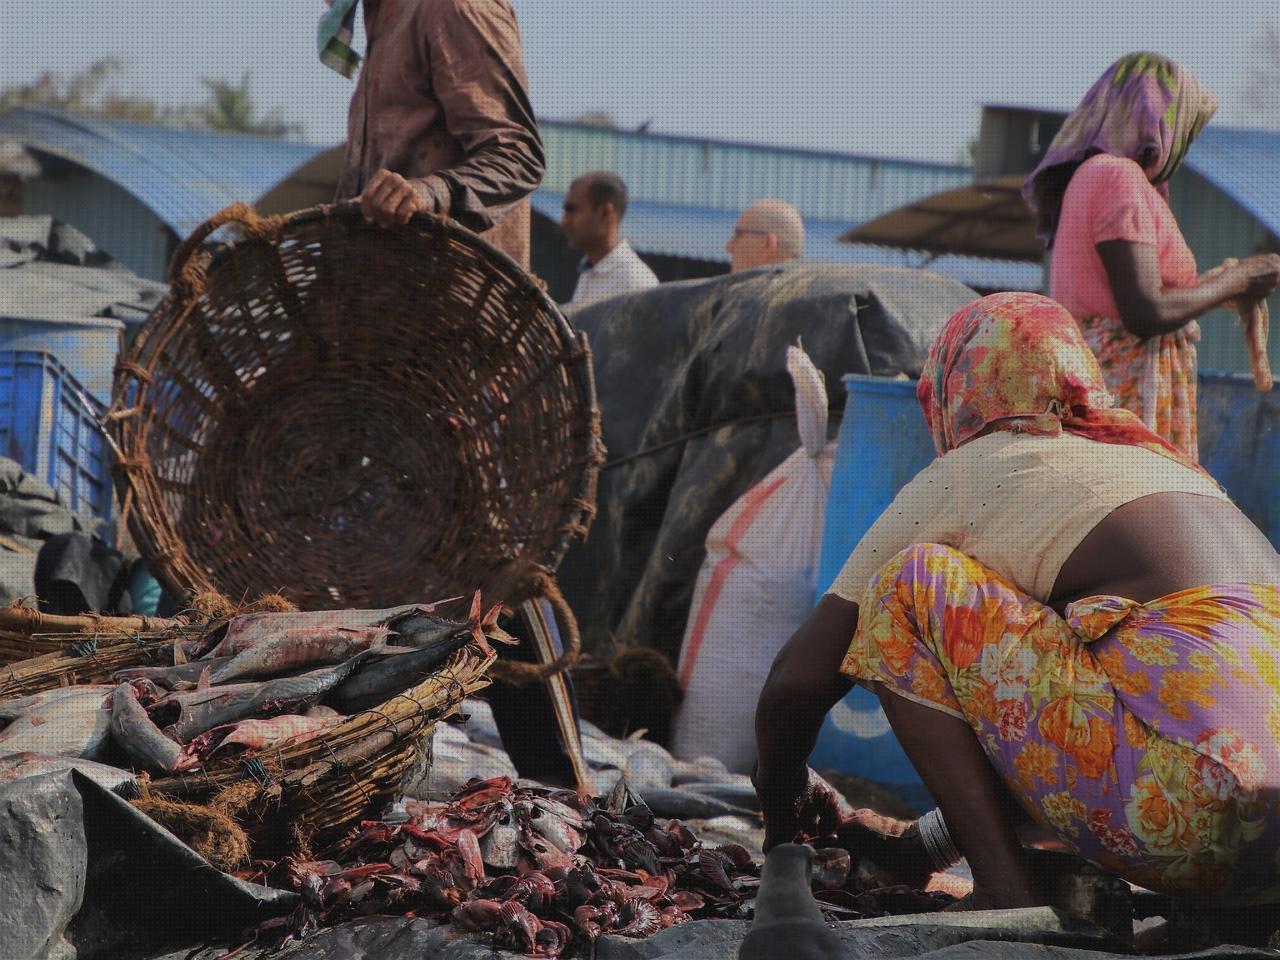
pixel 185 273
pixel 536 582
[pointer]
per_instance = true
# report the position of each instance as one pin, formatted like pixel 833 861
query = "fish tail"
pixel 477 622
pixel 486 627
pixel 204 683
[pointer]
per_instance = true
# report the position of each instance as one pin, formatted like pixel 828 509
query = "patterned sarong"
pixel 1153 377
pixel 1144 735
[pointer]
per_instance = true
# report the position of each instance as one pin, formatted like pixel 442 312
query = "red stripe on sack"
pixel 756 499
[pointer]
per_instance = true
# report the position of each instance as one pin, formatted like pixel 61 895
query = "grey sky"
pixel 893 79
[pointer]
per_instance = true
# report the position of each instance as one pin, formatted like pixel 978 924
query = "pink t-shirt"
pixel 1110 198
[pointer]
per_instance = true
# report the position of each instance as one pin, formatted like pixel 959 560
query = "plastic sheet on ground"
pixel 87 876
pixel 999 935
pixel 673 363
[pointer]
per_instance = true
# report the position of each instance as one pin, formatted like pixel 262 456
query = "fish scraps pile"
pixel 542 871
pixel 253 683
pixel 537 868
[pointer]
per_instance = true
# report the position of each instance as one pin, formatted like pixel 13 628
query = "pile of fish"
pixel 534 867
pixel 254 682
pixel 538 870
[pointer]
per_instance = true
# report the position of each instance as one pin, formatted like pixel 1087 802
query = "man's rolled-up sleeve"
pixel 478 77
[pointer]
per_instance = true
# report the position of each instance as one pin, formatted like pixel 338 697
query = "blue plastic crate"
pixel 45 426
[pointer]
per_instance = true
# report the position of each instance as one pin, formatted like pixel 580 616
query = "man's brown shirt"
pixel 442 98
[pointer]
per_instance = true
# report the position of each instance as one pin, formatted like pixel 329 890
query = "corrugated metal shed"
pixel 183 176
pixel 1243 164
pixel 699 233
pixel 722 175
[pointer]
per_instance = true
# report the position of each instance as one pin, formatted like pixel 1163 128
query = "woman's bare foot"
pixel 1003 898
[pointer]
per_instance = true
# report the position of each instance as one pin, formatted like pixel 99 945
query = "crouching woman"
pixel 1065 621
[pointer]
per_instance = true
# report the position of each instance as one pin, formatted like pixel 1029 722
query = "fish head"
pixel 500 845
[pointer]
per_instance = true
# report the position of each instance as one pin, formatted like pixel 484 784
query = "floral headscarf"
pixel 1145 107
pixel 1017 362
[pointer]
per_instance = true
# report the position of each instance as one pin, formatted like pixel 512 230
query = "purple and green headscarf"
pixel 1145 107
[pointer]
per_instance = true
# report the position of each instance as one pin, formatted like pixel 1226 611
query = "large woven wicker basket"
pixel 354 416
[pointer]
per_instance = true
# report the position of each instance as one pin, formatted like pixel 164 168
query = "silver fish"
pixel 76 724
pixel 381 678
pixel 736 790
pixel 19 766
pixel 681 804
pixel 500 847
pixel 648 764
pixel 21 706
pixel 201 710
pixel 135 731
pixel 296 649
pixel 169 677
pixel 603 751
pixel 559 825
pixel 420 630
pixel 704 768
pixel 259 733
pixel 246 631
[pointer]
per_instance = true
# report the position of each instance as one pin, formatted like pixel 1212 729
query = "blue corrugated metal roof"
pixel 723 175
pixel 699 233
pixel 185 176
pixel 1243 164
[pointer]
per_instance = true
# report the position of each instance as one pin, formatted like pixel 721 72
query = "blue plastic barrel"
pixel 883 444
pixel 1240 445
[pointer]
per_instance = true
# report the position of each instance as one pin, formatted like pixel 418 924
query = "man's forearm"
pixel 482 187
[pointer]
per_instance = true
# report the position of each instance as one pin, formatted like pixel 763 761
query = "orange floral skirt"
pixel 1154 377
pixel 1144 735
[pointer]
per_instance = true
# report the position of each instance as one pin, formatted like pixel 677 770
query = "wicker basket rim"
pixel 577 510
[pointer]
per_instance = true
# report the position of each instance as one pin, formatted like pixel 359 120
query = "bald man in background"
pixel 767 232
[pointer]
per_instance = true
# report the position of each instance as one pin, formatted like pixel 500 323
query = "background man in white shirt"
pixel 592 219
pixel 768 231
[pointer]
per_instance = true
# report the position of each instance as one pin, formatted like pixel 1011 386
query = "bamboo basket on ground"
pixel 26 633
pixel 319 787
pixel 355 416
pixel 81 658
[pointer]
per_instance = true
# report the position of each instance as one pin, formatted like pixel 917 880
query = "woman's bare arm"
pixel 804 683
pixel 1148 308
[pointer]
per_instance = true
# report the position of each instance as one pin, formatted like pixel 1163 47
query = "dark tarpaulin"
pixel 679 360
pixel 87 876
pixel 1005 934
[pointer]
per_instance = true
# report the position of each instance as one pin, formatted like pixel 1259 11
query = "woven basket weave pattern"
pixel 355 416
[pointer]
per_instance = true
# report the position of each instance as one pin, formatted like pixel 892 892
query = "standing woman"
pixel 1119 262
